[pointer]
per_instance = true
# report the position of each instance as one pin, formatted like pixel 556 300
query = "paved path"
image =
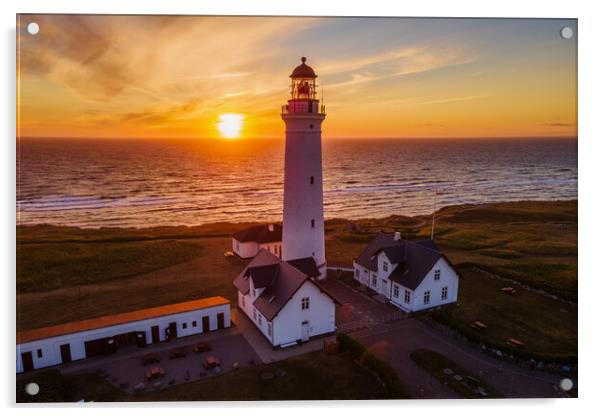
pixel 394 342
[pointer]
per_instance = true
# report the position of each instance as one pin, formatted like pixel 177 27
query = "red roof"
pixel 120 318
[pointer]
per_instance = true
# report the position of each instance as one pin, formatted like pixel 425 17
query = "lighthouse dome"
pixel 303 71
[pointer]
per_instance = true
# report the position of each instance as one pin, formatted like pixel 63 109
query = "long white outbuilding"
pixel 49 346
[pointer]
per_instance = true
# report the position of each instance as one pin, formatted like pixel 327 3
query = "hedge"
pixel 382 369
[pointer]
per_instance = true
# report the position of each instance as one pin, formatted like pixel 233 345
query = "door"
pixel 305 331
pixel 384 287
pixel 173 330
pixel 27 359
pixel 205 324
pixel 66 353
pixel 220 321
pixel 155 334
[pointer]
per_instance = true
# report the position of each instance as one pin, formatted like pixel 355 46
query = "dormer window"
pixel 385 266
pixel 437 274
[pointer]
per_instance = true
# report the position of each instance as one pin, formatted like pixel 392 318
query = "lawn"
pixel 94 272
pixel 548 327
pixel 312 376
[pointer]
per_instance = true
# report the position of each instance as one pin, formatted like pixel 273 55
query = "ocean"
pixel 142 183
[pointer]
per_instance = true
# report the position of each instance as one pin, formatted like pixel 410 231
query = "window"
pixel 237 246
pixel 259 320
pixel 254 314
pixel 311 126
pixel 254 292
pixel 194 323
pixel 39 353
pixel 184 325
pixel 437 274
pixel 385 266
pixel 444 293
pixel 313 223
pixel 305 303
pixel 406 296
pixel 311 180
pixel 269 328
pixel 357 272
pixel 373 280
pixel 427 297
pixel 395 291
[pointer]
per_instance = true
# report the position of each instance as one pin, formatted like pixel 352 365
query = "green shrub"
pixel 382 369
pixel 349 344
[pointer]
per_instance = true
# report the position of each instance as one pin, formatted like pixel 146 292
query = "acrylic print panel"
pixel 295 208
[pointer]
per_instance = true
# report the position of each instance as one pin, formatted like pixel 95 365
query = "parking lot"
pixel 126 371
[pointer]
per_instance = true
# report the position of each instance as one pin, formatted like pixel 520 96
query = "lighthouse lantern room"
pixel 303 213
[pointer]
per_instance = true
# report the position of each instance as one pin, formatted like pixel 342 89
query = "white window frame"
pixel 426 297
pixel 374 280
pixel 305 303
pixel 395 291
pixel 444 293
pixel 270 329
pixel 437 274
pixel 385 266
pixel 259 320
pixel 407 296
pixel 254 314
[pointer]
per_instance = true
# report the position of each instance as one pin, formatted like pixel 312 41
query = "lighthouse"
pixel 303 214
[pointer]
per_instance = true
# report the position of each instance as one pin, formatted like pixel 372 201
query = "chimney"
pixel 397 236
pixel 271 228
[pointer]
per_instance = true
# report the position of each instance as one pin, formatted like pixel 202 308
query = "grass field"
pixel 66 274
pixel 313 376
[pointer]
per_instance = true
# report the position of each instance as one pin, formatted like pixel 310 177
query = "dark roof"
pixel 263 276
pixel 303 71
pixel 367 258
pixel 307 265
pixel 418 261
pixel 287 280
pixel 259 234
pixel 414 259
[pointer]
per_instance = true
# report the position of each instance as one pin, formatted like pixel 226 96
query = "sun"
pixel 230 125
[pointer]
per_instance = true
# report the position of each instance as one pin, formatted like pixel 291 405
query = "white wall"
pixel 321 316
pixel 449 278
pixel 251 248
pixel 51 353
pixel 274 248
pixel 244 250
pixel 303 201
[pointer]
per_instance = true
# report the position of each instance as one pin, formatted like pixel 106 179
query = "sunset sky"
pixel 160 76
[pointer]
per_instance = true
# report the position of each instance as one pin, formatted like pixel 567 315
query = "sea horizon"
pixel 92 183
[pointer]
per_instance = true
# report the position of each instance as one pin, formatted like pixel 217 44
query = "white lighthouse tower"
pixel 303 217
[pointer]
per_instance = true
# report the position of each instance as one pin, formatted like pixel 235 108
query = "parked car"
pixel 177 353
pixel 150 358
pixel 201 347
pixel 154 373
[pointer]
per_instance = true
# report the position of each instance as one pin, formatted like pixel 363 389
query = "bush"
pixel 349 344
pixel 382 369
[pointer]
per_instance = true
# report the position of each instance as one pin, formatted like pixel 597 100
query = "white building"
pixel 247 243
pixel 284 300
pixel 45 347
pixel 303 216
pixel 413 275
